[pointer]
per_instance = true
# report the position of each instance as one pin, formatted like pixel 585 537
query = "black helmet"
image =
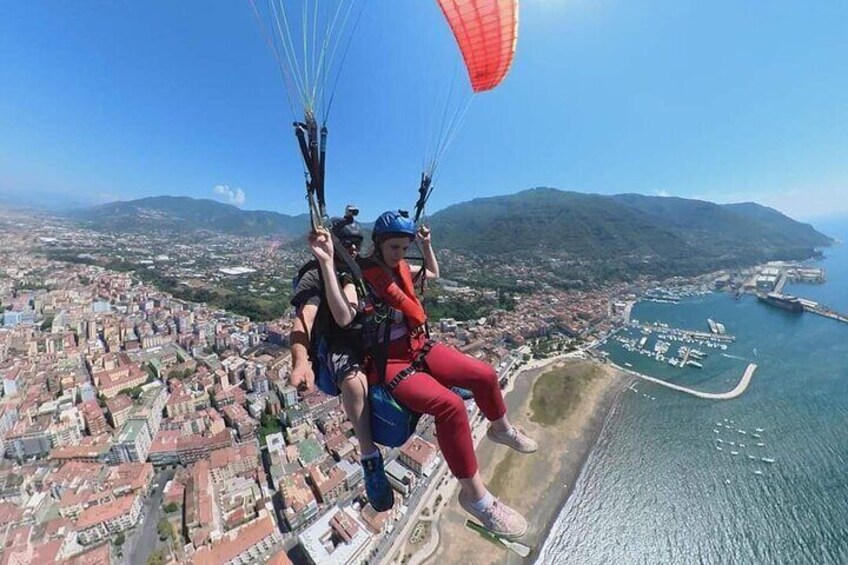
pixel 346 229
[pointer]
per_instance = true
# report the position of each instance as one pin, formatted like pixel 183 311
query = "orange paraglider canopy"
pixel 486 31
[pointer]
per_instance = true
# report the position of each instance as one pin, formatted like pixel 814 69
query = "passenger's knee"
pixel 486 375
pixel 453 407
pixel 354 384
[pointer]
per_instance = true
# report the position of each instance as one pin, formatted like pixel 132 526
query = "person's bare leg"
pixel 355 400
pixel 473 488
pixel 502 424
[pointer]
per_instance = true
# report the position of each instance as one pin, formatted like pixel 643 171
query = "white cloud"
pixel 235 197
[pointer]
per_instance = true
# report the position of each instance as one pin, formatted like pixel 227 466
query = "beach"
pixel 536 484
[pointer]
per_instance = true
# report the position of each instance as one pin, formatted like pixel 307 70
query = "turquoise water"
pixel 657 490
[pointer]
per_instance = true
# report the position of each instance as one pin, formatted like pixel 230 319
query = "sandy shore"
pixel 537 484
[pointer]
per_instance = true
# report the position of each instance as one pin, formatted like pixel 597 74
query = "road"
pixel 141 543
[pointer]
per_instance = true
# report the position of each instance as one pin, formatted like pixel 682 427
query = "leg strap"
pixel 419 364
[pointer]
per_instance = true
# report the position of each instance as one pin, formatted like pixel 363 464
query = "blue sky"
pixel 724 100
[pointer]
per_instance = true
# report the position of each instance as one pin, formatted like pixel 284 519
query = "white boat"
pixel 761 445
pixel 767 460
pixel 759 430
pixel 741 445
pixel 732 442
pixel 743 432
pixel 758 472
pixel 757 435
pixel 751 457
pixel 719 448
pixel 716 431
pixel 628 364
pixel 734 453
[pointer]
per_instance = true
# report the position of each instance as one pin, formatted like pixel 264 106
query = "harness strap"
pixel 419 364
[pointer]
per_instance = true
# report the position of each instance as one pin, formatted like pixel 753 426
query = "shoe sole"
pixel 506 535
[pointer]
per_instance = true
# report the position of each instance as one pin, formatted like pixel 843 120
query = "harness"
pixel 418 365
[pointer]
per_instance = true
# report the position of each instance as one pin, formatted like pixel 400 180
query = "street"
pixel 143 540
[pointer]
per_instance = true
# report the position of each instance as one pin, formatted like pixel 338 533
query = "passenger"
pixel 419 372
pixel 326 303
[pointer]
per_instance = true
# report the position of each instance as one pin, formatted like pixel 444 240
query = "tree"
pixel 119 539
pixel 165 530
pixel 171 507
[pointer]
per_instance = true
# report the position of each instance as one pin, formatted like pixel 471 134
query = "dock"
pixel 798 304
pixel 740 387
pixel 701 336
pixel 816 308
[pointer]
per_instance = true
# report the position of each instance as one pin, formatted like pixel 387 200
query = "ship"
pixel 784 301
pixel 716 327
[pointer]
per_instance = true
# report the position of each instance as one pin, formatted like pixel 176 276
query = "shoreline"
pixel 609 411
pixel 528 482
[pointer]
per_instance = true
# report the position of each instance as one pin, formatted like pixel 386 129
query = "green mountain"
pixel 181 213
pixel 574 235
pixel 623 233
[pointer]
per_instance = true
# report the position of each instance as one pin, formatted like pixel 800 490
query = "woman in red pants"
pixel 420 372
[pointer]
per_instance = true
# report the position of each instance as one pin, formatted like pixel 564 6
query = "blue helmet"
pixel 393 222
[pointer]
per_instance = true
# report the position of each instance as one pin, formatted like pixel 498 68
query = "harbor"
pixel 800 305
pixel 769 282
pixel 677 347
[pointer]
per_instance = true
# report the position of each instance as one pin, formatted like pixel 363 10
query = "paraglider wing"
pixel 486 31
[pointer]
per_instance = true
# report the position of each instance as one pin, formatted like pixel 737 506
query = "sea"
pixel 657 489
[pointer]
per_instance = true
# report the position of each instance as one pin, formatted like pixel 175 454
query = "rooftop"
pixel 235 542
pixel 105 512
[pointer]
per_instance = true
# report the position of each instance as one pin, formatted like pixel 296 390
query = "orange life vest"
pixel 400 296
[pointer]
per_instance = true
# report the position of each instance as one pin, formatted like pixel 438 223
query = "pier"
pixel 797 304
pixel 699 335
pixel 740 387
pixel 815 308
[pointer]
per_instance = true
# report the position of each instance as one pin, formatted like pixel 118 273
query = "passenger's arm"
pixel 430 262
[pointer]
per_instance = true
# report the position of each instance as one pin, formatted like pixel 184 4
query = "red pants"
pixel 429 393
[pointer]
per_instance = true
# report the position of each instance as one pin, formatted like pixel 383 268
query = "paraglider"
pixel 310 46
pixel 418 373
pixel 486 32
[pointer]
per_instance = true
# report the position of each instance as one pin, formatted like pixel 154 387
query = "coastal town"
pixel 138 427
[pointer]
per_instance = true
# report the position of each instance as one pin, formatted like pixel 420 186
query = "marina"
pixel 797 407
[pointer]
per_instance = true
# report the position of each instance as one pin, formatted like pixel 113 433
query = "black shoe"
pixel 377 486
